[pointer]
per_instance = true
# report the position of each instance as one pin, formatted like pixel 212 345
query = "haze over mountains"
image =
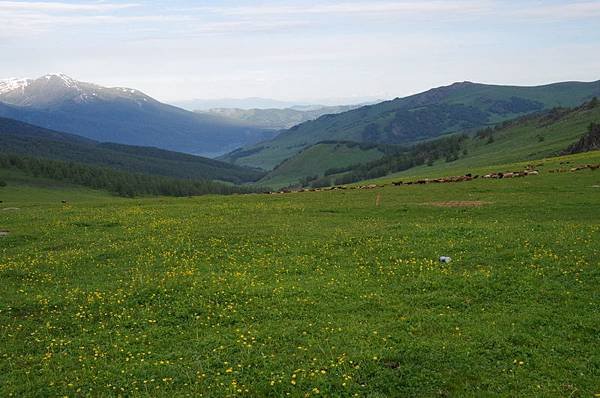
pixel 120 115
pixel 200 104
pixel 268 103
pixel 277 119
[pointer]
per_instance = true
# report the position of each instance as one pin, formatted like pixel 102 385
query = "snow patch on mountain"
pixel 67 81
pixel 8 85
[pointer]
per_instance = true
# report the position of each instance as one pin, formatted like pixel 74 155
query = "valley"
pixel 132 270
pixel 300 199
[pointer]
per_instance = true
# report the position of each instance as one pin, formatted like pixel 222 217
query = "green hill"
pixel 314 160
pixel 525 139
pixel 458 107
pixel 25 139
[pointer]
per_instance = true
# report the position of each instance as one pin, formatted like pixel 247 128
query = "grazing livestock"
pixel 592 167
pixel 467 177
pixel 512 174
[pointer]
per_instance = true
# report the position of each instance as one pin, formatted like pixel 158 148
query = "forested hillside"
pixel 116 182
pixel 21 138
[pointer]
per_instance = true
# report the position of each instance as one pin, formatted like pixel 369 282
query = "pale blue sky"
pixel 300 50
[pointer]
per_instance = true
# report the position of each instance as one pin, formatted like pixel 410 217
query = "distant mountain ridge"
pixel 120 115
pixel 457 107
pixel 201 104
pixel 239 103
pixel 278 119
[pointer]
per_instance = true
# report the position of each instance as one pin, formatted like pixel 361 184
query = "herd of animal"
pixel 451 179
pixel 592 167
pixel 513 174
pixel 530 170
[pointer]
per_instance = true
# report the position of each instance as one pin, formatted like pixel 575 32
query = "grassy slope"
pixel 315 160
pixel 514 144
pixel 22 188
pixel 350 125
pixel 567 94
pixel 266 295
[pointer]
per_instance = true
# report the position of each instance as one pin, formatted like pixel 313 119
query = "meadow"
pixel 305 294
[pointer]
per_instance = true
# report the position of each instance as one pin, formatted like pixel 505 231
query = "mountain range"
pixel 278 119
pixel 120 115
pixel 458 107
pixel 56 117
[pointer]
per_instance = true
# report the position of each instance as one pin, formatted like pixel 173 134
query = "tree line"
pixel 396 159
pixel 117 182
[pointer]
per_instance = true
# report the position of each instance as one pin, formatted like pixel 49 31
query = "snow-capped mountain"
pixel 121 115
pixel 54 89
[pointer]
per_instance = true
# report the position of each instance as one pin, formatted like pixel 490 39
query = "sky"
pixel 300 50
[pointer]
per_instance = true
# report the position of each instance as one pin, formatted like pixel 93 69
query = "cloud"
pixel 535 10
pixel 25 18
pixel 62 6
pixel 360 8
pixel 588 9
pixel 22 18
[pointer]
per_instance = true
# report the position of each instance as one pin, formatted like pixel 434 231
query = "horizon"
pixel 301 50
pixel 325 101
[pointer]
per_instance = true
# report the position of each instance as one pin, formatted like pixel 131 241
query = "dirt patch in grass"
pixel 459 203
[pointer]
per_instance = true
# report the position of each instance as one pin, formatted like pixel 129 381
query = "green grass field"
pixel 305 294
